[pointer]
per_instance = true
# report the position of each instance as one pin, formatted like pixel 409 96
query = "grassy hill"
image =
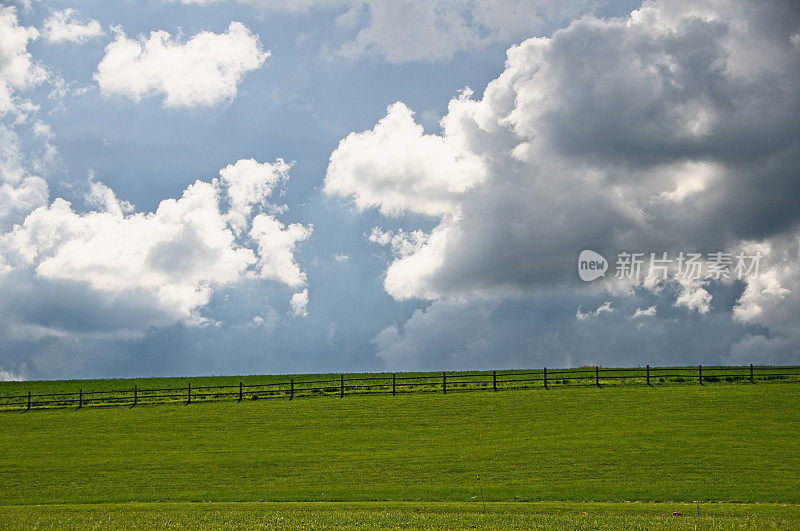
pixel 582 445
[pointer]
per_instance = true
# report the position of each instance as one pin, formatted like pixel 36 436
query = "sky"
pixel 210 187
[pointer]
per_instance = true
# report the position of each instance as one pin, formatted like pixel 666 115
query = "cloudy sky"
pixel 267 186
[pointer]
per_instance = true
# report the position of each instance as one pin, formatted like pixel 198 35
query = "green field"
pixel 413 460
pixel 414 515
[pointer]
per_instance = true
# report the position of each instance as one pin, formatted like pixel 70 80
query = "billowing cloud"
pixel 434 30
pixel 9 376
pixel 20 197
pixel 606 307
pixel 644 312
pixel 204 70
pixel 299 304
pixel 161 266
pixel 249 184
pixel 276 243
pixel 672 129
pixel 20 192
pixel 772 300
pixel 559 174
pixel 67 26
pixel 17 69
pixel 406 169
pixel 694 297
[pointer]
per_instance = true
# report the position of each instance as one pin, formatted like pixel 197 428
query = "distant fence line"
pixel 444 381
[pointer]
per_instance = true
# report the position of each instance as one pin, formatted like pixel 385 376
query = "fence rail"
pixel 462 381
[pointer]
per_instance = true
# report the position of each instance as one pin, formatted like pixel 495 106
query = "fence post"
pixel 189 401
pixel 29 400
pixel 700 372
pixel 135 394
pixel 444 382
pixel 494 380
pixel 597 375
pixel 394 384
pixel 545 377
pixel 240 391
pixel 341 386
pixel 751 373
pixel 648 374
pixel 80 398
pixel 291 389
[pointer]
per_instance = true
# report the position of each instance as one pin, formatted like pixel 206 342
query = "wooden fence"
pixel 403 383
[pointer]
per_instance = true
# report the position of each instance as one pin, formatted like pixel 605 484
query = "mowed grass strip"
pixel 735 443
pixel 402 515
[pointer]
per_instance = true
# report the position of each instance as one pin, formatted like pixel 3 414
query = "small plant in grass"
pixel 565 381
pixel 483 500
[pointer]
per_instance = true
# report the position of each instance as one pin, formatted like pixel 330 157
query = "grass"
pixel 737 443
pixel 412 460
pixel 394 515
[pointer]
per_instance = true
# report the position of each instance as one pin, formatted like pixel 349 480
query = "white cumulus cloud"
pixel 606 307
pixel 17 69
pixel 249 184
pixel 204 70
pixel 276 243
pixel 9 376
pixel 772 300
pixel 166 263
pixel 406 170
pixel 644 312
pixel 20 192
pixel 299 304
pixel 693 296
pixel 67 26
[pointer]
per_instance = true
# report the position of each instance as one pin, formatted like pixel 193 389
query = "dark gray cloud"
pixel 562 328
pixel 720 90
pixel 673 129
pixel 34 306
